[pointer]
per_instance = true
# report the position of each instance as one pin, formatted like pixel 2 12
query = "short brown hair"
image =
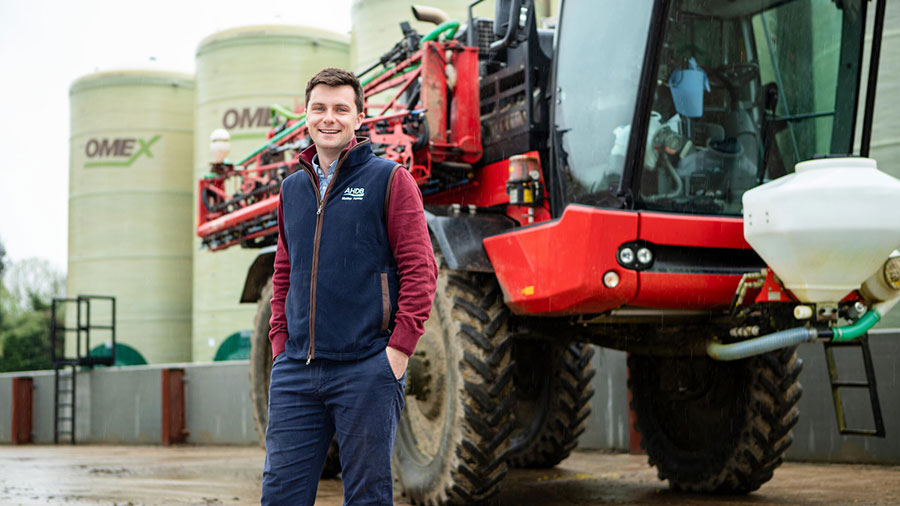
pixel 337 77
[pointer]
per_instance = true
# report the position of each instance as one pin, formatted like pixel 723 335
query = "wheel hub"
pixel 419 375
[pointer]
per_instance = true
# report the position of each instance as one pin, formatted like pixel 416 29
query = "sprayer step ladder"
pixel 869 384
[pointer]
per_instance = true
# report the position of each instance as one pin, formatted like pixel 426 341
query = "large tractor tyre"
pixel 454 433
pixel 553 400
pixel 261 362
pixel 713 426
pixel 261 370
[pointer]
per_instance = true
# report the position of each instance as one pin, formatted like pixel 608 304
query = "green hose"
pixel 377 74
pixel 382 71
pixel 287 113
pixel 273 140
pixel 447 26
pixel 859 327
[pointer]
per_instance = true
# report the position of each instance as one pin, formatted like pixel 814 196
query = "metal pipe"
pixel 511 28
pixel 780 81
pixel 430 14
pixel 791 337
pixel 760 345
pixel 873 79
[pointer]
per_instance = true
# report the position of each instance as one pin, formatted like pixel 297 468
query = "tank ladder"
pixel 869 384
pixel 64 403
pixel 65 369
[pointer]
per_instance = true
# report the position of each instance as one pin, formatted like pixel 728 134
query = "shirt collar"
pixel 315 164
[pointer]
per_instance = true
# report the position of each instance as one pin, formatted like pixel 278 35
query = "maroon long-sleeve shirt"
pixel 411 246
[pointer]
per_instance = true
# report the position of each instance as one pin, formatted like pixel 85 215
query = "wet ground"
pixel 136 475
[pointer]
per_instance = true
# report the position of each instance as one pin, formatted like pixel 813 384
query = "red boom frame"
pixel 249 213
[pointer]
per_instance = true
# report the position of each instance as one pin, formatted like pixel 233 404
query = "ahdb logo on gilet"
pixel 354 194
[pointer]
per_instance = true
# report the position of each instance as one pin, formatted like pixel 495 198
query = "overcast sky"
pixel 44 46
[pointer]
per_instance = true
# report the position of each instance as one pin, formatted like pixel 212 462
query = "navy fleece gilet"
pixel 351 297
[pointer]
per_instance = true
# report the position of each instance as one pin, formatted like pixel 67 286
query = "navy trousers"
pixel 358 401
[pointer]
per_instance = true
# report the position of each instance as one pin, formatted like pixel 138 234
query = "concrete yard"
pixel 205 475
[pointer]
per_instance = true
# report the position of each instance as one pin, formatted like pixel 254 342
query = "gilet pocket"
pixel 385 302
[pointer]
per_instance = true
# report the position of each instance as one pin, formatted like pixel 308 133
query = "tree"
pixel 26 342
pixel 2 254
pixel 27 289
pixel 32 283
pixel 3 293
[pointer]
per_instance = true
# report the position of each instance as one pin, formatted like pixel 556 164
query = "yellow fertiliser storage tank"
pixel 376 24
pixel 130 208
pixel 241 73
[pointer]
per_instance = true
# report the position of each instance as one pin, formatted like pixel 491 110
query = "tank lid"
pixel 268 31
pixel 131 77
pixel 854 162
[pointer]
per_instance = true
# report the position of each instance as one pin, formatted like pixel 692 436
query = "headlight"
pixel 644 256
pixel 611 279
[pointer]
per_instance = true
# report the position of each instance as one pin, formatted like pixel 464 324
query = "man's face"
pixel 331 116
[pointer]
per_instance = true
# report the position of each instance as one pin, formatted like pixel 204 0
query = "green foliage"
pixel 26 342
pixel 27 288
pixel 2 264
pixel 33 282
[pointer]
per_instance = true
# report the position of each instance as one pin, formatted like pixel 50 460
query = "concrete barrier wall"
pixel 607 425
pixel 6 409
pixel 122 405
pixel 43 407
pixel 218 403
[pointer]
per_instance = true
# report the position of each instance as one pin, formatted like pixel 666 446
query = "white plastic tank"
pixel 130 207
pixel 241 73
pixel 825 228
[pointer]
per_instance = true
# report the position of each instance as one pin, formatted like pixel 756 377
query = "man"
pixel 353 284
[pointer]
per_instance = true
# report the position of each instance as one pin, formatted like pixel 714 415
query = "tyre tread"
pixel 475 316
pixel 567 410
pixel 770 416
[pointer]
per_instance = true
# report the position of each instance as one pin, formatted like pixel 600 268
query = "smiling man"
pixel 353 284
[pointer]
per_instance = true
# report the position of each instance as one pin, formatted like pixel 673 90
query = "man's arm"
pixel 281 282
pixel 411 245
